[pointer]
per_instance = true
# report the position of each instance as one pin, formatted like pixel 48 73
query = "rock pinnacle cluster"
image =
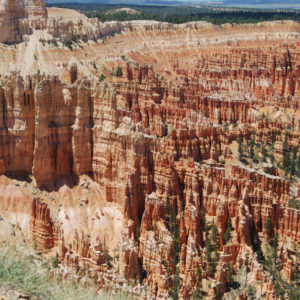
pixel 156 158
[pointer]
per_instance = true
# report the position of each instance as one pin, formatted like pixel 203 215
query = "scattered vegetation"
pixel 230 273
pixel 198 294
pixel 108 258
pixel 212 245
pixel 251 292
pixel 52 42
pixel 294 203
pixel 272 264
pixel 118 72
pixel 68 44
pixel 102 77
pixel 227 233
pixel 26 272
pixel 251 151
pixel 291 159
pixel 55 261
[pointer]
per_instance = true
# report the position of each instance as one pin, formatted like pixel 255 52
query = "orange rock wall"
pixel 150 142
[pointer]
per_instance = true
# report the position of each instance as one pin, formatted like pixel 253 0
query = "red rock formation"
pixel 163 151
pixel 155 245
pixel 41 226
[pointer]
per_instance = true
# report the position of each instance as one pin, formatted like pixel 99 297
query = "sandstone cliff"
pixel 21 17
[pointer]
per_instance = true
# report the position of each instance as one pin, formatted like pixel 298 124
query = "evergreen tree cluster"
pixel 181 14
pixel 291 161
pixel 272 264
pixel 118 72
pixel 258 152
pixel 212 245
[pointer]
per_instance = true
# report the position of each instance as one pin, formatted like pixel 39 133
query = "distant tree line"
pixel 182 14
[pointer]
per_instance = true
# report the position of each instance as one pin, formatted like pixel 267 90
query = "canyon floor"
pixel 150 158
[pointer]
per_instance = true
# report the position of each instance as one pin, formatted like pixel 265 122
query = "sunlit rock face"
pixel 19 17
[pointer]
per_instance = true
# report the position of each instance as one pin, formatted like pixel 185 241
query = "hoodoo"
pixel 163 157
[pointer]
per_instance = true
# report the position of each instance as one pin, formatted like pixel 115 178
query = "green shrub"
pixel 102 77
pixel 119 72
pixel 108 258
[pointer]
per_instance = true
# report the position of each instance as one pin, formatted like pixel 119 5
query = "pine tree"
pixel 246 268
pixel 108 258
pixel 138 230
pixel 119 72
pixel 173 228
pixel 212 245
pixel 240 148
pixel 251 152
pixel 286 154
pixel 55 261
pixel 173 291
pixel 227 233
pixel 272 265
pixel 251 292
pixel 298 166
pixel 215 235
pixel 102 77
pixel 269 226
pixel 197 294
pixel 274 245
